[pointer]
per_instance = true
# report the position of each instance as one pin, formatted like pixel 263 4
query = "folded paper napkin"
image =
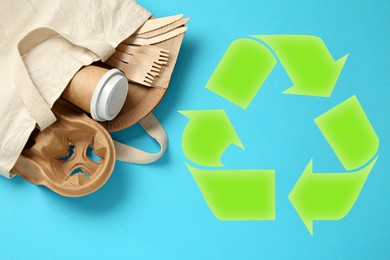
pixel 42 46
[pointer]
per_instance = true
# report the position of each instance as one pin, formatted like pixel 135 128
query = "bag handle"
pixel 33 100
pixel 130 154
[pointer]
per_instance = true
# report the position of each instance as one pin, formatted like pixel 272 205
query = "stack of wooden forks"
pixel 138 58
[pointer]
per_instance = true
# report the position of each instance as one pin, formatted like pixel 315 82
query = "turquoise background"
pixel 158 212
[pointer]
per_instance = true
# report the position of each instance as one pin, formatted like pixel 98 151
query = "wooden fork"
pixel 133 71
pixel 144 59
pixel 156 53
pixel 140 59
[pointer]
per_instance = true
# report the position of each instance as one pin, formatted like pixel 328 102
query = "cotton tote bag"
pixel 43 43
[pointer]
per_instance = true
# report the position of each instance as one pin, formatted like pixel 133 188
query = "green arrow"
pixel 208 134
pixel 349 132
pixel 238 194
pixel 327 196
pixel 242 71
pixel 308 63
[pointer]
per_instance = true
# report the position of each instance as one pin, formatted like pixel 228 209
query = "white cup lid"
pixel 109 96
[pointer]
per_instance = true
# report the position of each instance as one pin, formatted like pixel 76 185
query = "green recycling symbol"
pixel 249 194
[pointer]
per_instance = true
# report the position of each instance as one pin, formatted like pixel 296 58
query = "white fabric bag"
pixel 43 43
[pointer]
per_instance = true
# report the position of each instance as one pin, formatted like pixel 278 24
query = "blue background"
pixel 158 212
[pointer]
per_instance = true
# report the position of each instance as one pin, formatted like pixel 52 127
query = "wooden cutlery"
pixel 138 59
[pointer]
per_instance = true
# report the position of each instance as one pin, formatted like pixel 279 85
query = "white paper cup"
pixel 98 91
